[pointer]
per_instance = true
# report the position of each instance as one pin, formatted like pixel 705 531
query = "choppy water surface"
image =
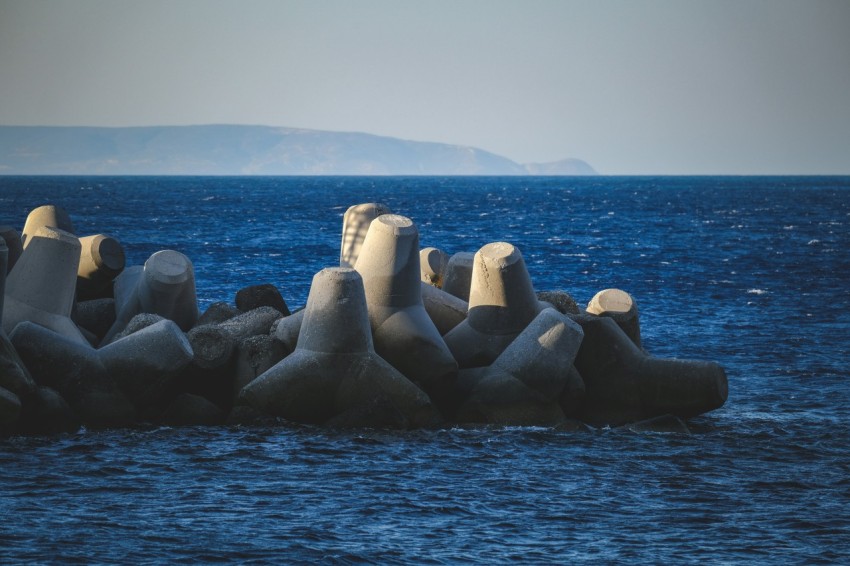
pixel 751 272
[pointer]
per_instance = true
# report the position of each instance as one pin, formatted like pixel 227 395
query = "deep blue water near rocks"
pixel 751 272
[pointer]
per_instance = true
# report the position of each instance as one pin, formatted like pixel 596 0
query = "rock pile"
pixel 394 336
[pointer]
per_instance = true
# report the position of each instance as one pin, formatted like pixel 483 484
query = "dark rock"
pixel 46 412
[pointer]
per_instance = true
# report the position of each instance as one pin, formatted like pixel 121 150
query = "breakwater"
pixel 396 336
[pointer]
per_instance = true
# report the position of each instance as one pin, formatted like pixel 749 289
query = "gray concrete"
pixel 42 285
pixel 146 363
pixel 138 322
pixel 502 302
pixel 562 301
pixel 334 369
pixel 621 306
pixel 445 311
pixel 432 266
pixel 95 315
pixel 403 332
pixel 264 295
pixel 124 286
pixel 623 384
pixel 218 312
pixel 101 261
pixel 286 330
pixel 458 275
pixel 252 323
pixel 4 262
pixel 12 239
pixel 14 375
pixel 75 371
pixel 524 384
pixel 166 286
pixel 254 356
pixel 49 215
pixel 355 225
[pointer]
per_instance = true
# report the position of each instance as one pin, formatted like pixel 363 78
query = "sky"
pixel 632 87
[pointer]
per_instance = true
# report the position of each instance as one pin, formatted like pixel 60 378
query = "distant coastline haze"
pixel 650 87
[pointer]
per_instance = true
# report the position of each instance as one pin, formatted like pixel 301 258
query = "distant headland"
pixel 246 150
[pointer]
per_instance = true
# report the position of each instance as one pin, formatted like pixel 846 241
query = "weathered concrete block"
pixel 252 323
pixel 623 384
pixel 264 295
pixel 432 266
pixel 218 312
pixel 287 329
pixel 47 216
pixel 254 356
pixel 75 371
pixel 403 332
pixel 620 306
pixel 146 363
pixel 562 301
pixel 458 275
pixel 42 285
pixel 138 322
pixel 95 315
pixel 524 384
pixel 211 372
pixel 12 239
pixel 166 286
pixel 14 375
pixel 101 261
pixel 502 303
pixel 355 225
pixel 334 368
pixel 445 311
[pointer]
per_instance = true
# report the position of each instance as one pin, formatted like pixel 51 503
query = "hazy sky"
pixel 632 87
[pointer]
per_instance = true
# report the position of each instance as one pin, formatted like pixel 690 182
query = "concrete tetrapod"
pixel 49 215
pixel 525 384
pixel 355 225
pixel 619 305
pixel 334 369
pixel 403 332
pixel 502 303
pixel 146 363
pixel 101 261
pixel 458 275
pixel 42 285
pixel 432 263
pixel 76 372
pixel 12 239
pixel 623 384
pixel 166 286
pixel 446 311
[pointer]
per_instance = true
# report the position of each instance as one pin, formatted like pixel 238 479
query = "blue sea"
pixel 751 272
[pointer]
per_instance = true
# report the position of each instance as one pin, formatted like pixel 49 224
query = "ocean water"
pixel 751 272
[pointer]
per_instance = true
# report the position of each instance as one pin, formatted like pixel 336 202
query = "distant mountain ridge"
pixel 245 150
